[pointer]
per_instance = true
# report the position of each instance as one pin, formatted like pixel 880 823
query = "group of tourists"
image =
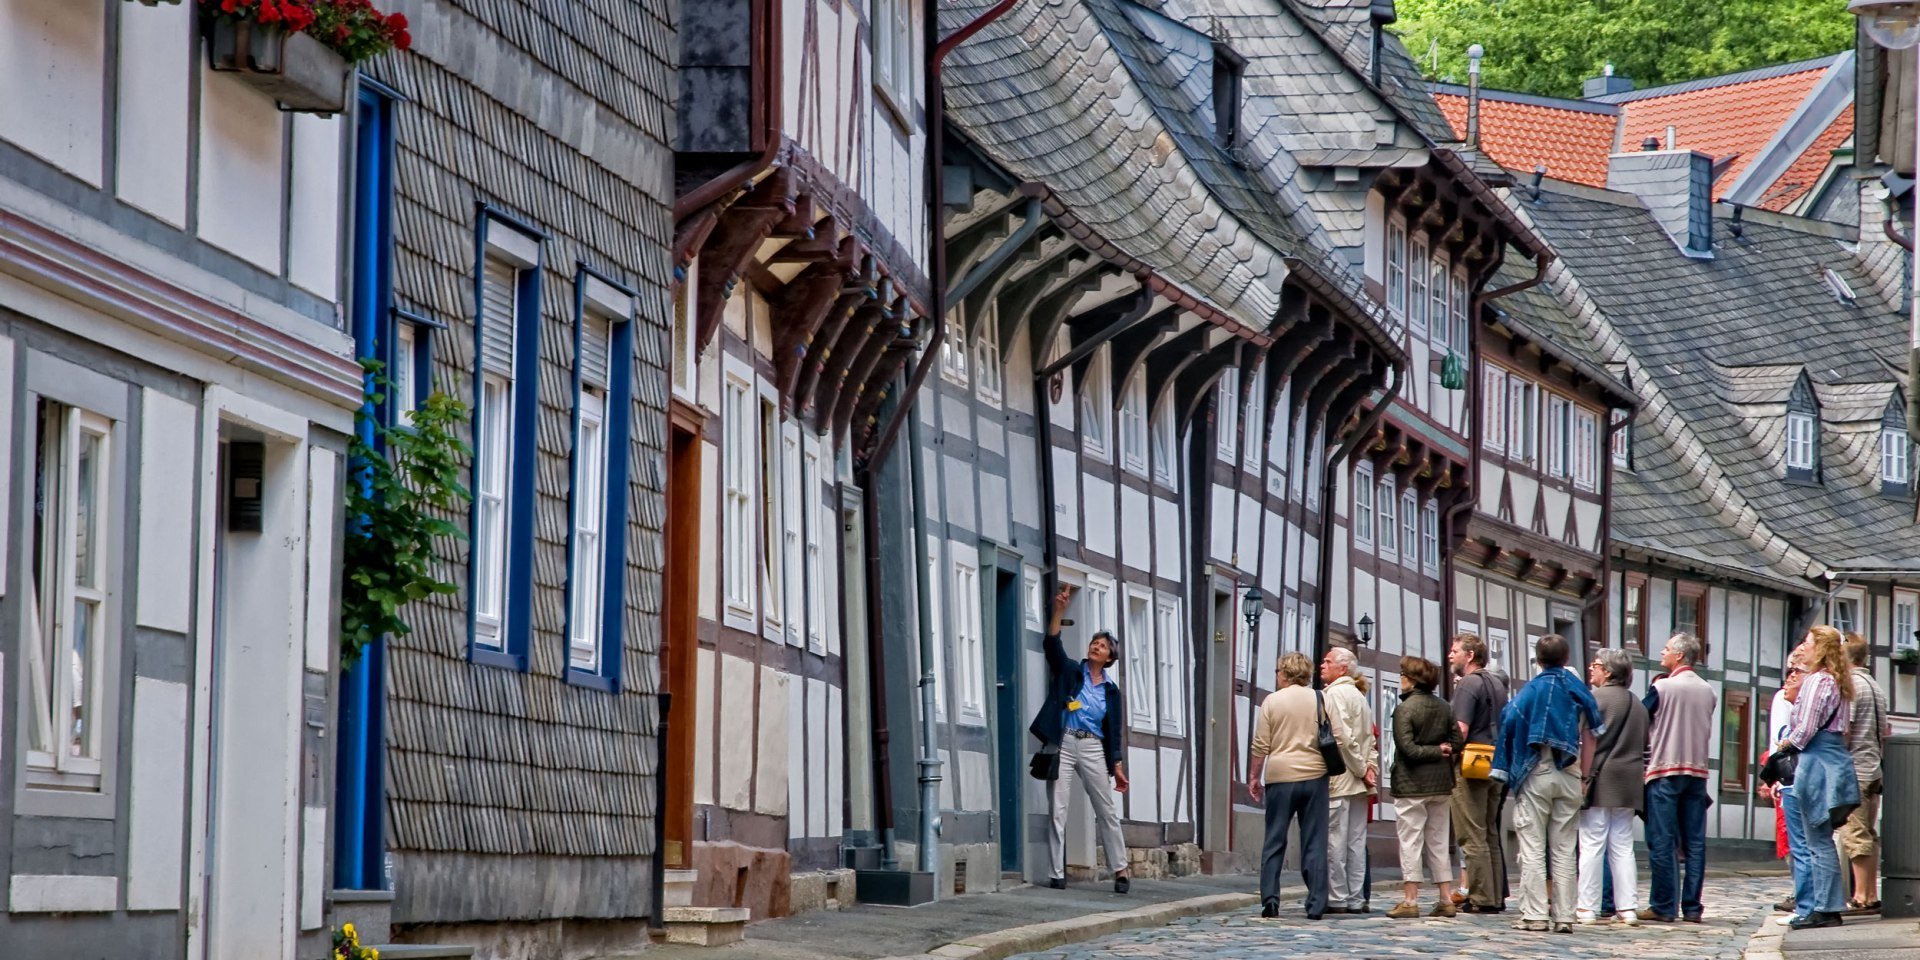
pixel 1573 762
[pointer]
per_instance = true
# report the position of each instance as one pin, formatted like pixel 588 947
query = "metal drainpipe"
pixel 657 921
pixel 1606 525
pixel 771 135
pixel 1322 611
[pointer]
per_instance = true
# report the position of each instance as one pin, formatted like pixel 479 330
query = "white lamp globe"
pixel 1893 24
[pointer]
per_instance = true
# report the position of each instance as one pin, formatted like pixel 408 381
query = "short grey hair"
pixel 1343 658
pixel 1617 663
pixel 1686 646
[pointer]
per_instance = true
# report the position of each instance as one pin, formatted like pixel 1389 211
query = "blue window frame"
pixel 597 506
pixel 509 257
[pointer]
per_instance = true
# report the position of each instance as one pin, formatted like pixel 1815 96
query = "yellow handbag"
pixel 1476 761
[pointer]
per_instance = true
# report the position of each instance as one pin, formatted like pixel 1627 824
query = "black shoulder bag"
pixel 1783 761
pixel 1329 744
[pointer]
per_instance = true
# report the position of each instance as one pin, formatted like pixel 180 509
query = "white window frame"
pixel 51 642
pixel 1316 457
pixel 1559 435
pixel 1906 619
pixel 739 434
pixel 1430 538
pixel 1396 267
pixel 1586 449
pixel 1171 653
pixel 1096 406
pixel 1621 446
pixel 1363 520
pixel 401 377
pixel 819 590
pixel 893 54
pixel 1256 419
pixel 1227 414
pixel 494 472
pixel 1845 613
pixel 1894 448
pixel 1800 441
pixel 1410 527
pixel 953 350
pixel 686 358
pixel 989 373
pixel 588 580
pixel 1099 608
pixel 1493 414
pixel 935 619
pixel 968 647
pixel 1386 517
pixel 793 510
pixel 1133 423
pixel 770 539
pixel 1417 284
pixel 1141 662
pixel 1166 446
pixel 1461 337
pixel 1438 320
pixel 1030 586
pixel 1523 434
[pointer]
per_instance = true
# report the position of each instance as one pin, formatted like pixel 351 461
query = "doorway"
pixel 1216 821
pixel 680 610
pixel 1010 728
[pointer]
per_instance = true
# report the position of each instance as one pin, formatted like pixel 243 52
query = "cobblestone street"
pixel 1735 906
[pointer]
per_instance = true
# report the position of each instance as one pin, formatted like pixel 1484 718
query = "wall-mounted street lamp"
pixel 1366 629
pixel 1256 605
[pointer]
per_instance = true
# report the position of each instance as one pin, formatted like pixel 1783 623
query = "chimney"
pixel 1604 84
pixel 1380 14
pixel 1677 187
pixel 1474 53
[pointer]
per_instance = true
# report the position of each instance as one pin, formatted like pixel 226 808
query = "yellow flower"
pixel 352 935
pixel 370 954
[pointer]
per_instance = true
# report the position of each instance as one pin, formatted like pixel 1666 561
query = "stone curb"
pixel 1000 944
pixel 1766 942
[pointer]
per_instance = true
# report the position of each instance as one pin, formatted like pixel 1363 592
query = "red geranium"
pixel 352 28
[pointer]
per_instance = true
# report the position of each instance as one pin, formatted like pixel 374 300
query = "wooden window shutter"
pixel 499 302
pixel 595 350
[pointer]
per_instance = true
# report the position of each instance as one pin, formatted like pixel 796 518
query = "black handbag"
pixel 1045 764
pixel 1329 744
pixel 1784 760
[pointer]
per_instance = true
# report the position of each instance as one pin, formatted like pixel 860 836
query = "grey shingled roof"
pixel 1346 28
pixel 1714 346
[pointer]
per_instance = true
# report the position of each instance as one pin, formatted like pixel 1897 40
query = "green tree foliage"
pixel 1549 46
pixel 405 482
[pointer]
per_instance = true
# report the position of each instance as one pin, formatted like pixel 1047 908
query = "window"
pixel 1096 405
pixel 403 375
pixel 988 373
pixel 1098 613
pixel 1030 583
pixel 1494 414
pixel 1141 663
pixel 1172 653
pixel 1166 445
pixel 1906 620
pixel 935 617
pixel 818 589
pixel 1690 612
pixel 69 621
pixel 738 437
pixel 507 362
pixel 1736 744
pixel 1417 285
pixel 1846 615
pixel 1316 462
pixel 1226 413
pixel 893 58
pixel 1521 435
pixel 1397 269
pixel 1893 460
pixel 795 507
pixel 499 322
pixel 966 639
pixel 772 531
pixel 1462 337
pixel 1633 612
pixel 1559 435
pixel 1256 418
pixel 1409 527
pixel 1622 446
pixel 1228 68
pixel 1133 423
pixel 1363 505
pixel 588 579
pixel 686 358
pixel 1586 449
pixel 1430 538
pixel 953 349
pixel 1437 309
pixel 1387 500
pixel 1799 442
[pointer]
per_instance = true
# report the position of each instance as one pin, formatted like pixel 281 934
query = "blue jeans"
pixel 1676 826
pixel 1825 888
pixel 1798 854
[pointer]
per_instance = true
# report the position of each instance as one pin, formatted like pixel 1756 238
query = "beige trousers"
pixel 1425 829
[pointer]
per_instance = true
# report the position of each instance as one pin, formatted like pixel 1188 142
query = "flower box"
pixel 296 70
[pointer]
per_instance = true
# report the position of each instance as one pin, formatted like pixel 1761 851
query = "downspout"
pixel 695 200
pixel 1322 611
pixel 1599 598
pixel 877 684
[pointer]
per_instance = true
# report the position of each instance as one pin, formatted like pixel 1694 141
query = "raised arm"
pixel 1057 659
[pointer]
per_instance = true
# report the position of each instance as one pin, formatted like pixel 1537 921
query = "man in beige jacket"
pixel 1348 793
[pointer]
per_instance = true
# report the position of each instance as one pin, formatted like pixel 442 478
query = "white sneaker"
pixel 1786 920
pixel 1586 917
pixel 1628 917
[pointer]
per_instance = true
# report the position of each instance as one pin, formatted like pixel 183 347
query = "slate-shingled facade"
pixel 531 182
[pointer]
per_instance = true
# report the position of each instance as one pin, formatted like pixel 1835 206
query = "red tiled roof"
pixel 1734 119
pixel 1572 144
pixel 1807 168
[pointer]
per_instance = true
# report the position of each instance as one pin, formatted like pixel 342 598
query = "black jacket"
pixel 1063 684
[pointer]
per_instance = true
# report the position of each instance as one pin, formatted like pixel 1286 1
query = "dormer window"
pixel 1228 70
pixel 1803 432
pixel 1894 446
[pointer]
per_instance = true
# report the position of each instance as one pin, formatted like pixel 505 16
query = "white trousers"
pixel 1424 826
pixel 1543 817
pixel 1347 850
pixel 1606 843
pixel 1083 759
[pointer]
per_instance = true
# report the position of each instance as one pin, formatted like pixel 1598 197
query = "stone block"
pixel 704 926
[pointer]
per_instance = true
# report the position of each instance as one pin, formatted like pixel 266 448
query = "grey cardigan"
pixel 1620 754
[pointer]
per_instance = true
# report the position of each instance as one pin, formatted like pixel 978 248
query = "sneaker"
pixel 1443 909
pixel 1404 910
pixel 1788 920
pixel 1816 920
pixel 1270 909
pixel 1627 918
pixel 1057 883
pixel 1459 896
pixel 1585 918
pixel 1531 926
pixel 1121 884
pixel 1563 928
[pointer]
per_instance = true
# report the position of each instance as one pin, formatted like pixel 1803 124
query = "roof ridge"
pixel 1530 99
pixel 1753 75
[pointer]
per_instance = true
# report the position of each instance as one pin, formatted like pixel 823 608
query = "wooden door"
pixel 680 675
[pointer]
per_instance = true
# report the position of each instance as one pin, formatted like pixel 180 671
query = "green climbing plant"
pixel 404 485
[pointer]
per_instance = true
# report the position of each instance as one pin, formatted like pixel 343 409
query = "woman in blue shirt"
pixel 1083 716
